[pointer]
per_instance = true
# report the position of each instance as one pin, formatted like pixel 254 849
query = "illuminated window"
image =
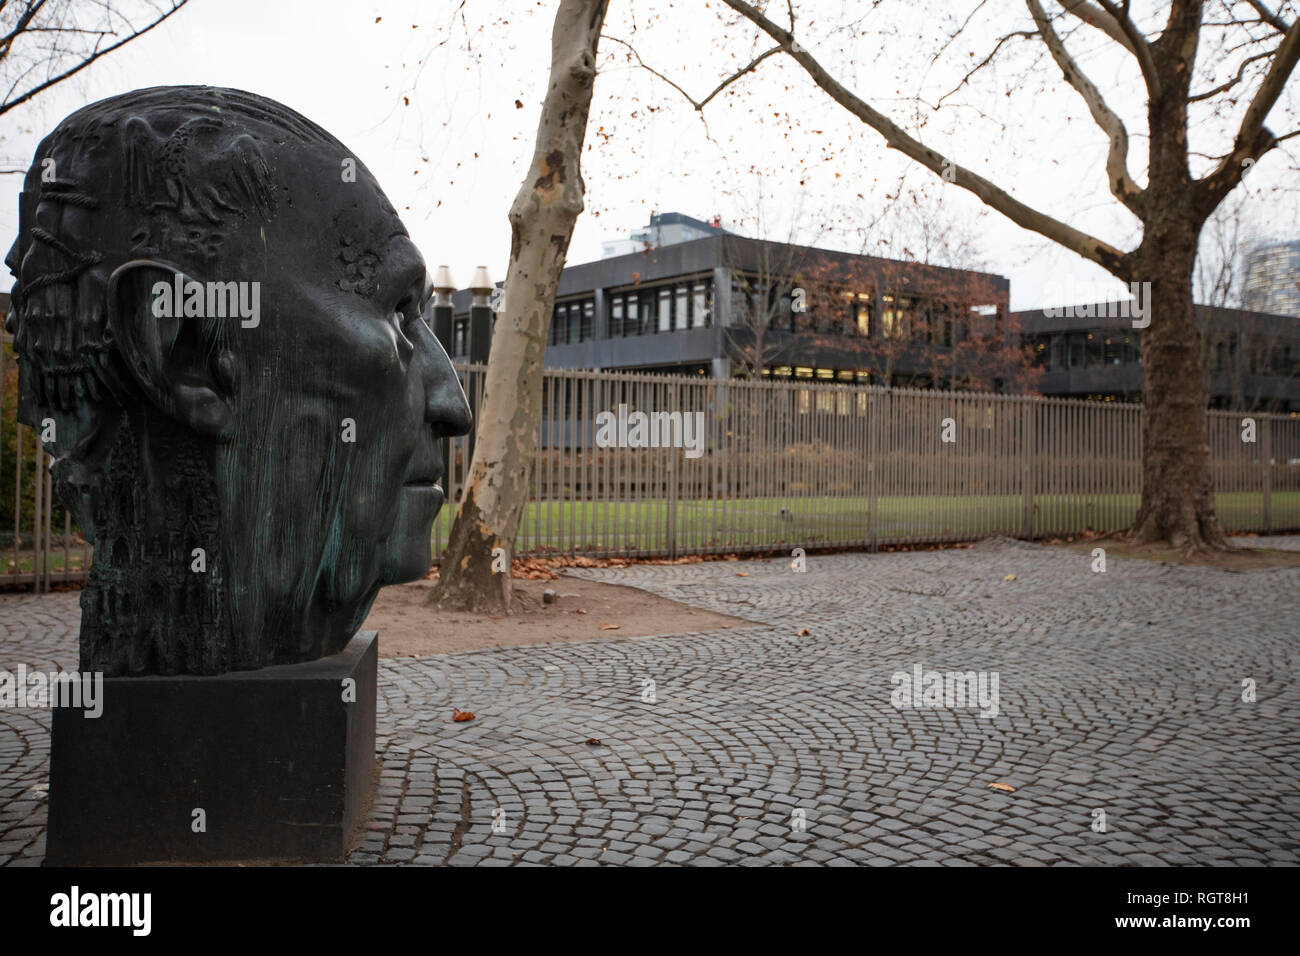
pixel 895 316
pixel 862 313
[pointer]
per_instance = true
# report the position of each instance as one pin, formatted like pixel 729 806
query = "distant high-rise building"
pixel 1273 279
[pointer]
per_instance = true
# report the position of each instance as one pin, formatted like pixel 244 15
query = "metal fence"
pixel 39 547
pixel 778 465
pixel 785 464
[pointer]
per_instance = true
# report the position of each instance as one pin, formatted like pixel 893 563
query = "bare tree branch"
pixel 1121 183
pixel 1117 25
pixel 698 104
pixel 1253 139
pixel 1018 34
pixel 82 58
pixel 1229 84
pixel 1090 247
pixel 1268 16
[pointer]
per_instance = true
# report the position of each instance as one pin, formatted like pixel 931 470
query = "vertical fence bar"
pixel 38 509
pixel 672 477
pixel 1027 475
pixel 1266 462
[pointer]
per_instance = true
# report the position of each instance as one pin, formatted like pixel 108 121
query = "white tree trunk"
pixel 541 224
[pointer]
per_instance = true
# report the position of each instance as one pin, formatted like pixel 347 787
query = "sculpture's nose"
pixel 446 407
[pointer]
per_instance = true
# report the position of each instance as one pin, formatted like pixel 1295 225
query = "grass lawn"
pixel 594 527
pixel 625 527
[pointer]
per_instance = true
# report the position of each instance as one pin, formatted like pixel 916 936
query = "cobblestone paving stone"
pixel 1118 691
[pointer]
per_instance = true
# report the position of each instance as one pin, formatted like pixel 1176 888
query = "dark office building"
pixel 1252 359
pixel 691 299
pixel 691 305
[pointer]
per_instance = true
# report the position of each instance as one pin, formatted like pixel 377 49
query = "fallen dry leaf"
pixel 581 610
pixel 1009 577
pixel 1004 787
pixel 742 574
pixel 606 626
pixel 460 715
pixel 593 741
pixel 804 632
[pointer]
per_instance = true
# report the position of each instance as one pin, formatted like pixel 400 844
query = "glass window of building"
pixel 646 324
pixel 894 316
pixel 682 293
pixel 1076 343
pixel 1112 351
pixel 587 322
pixel 1130 347
pixel 700 304
pixel 862 320
pixel 665 310
pixel 1094 341
pixel 615 316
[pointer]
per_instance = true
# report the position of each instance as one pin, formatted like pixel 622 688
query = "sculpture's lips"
pixel 425 483
pixel 426 469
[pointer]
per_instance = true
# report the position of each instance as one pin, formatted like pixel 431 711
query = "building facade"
pixel 1251 360
pixel 723 305
pixel 698 300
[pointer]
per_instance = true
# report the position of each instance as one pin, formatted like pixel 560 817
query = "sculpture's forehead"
pixel 220 179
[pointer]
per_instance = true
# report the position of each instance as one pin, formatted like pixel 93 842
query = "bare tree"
pixel 1255 47
pixel 541 225
pixel 765 301
pixel 44 42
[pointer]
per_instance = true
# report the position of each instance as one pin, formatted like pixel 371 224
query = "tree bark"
pixel 1177 493
pixel 541 224
pixel 1177 485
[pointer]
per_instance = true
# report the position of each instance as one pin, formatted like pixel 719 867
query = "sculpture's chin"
pixel 409 555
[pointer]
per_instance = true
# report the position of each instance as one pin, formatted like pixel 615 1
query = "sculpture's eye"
pixel 411 308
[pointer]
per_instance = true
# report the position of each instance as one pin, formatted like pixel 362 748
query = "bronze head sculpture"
pixel 223 319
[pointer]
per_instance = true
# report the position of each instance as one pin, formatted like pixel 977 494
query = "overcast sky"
pixel 428 102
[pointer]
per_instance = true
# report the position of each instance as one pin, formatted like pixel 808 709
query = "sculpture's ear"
pixel 170 357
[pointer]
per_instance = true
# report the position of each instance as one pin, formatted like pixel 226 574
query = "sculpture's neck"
pixel 155 599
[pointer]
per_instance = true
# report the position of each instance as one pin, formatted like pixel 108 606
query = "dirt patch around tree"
pixel 583 611
pixel 1241 557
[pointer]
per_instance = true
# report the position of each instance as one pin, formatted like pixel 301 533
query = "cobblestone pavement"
pixel 1118 691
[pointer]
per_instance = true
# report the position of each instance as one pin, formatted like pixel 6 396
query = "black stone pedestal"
pixel 280 761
